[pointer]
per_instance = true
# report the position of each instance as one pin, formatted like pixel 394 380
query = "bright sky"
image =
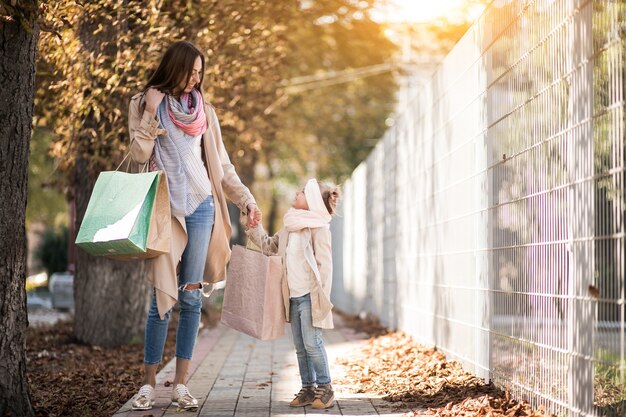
pixel 419 10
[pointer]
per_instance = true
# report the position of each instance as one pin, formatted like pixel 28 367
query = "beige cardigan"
pixel 318 254
pixel 225 183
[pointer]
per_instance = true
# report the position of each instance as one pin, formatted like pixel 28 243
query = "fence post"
pixel 581 208
pixel 484 225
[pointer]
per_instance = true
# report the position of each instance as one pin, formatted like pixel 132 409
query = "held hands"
pixel 153 99
pixel 254 216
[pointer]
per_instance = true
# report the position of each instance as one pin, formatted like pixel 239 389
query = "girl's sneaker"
pixel 324 397
pixel 183 399
pixel 145 398
pixel 304 397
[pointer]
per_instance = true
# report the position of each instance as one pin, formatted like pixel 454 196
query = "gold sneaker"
pixel 183 399
pixel 304 397
pixel 145 398
pixel 324 397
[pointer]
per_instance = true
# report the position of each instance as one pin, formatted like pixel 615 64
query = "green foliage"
pixel 329 130
pixel 46 202
pixel 609 385
pixel 447 30
pixel 52 250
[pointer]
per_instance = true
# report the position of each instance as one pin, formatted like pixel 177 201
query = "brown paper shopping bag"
pixel 253 301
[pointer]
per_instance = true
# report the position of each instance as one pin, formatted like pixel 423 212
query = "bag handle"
pixel 262 247
pixel 147 164
pixel 144 169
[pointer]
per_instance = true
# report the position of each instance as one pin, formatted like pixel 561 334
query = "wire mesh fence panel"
pixel 491 215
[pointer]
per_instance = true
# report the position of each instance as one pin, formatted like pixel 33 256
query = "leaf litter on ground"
pixel 71 379
pixel 393 365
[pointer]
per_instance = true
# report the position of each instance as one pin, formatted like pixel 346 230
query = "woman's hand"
pixel 254 215
pixel 153 99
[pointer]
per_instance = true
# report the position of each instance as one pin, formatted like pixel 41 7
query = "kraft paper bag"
pixel 253 300
pixel 128 216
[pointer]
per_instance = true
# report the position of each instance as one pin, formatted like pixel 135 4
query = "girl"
pixel 173 129
pixel 305 247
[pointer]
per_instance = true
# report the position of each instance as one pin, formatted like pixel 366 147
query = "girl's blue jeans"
pixel 308 342
pixel 199 226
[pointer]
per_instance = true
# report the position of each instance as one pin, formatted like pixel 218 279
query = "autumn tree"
pixel 18 41
pixel 340 86
pixel 101 54
pixel 338 123
pixel 329 124
pixel 91 63
pixel 246 48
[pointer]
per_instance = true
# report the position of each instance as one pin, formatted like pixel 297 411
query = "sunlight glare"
pixel 417 10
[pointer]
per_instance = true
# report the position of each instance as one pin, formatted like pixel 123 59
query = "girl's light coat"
pixel 225 183
pixel 318 254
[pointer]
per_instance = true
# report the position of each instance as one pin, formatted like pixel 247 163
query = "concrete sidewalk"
pixel 235 375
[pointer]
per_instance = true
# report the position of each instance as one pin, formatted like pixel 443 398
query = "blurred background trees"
pixel 301 89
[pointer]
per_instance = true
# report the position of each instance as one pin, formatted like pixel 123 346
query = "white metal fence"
pixel 489 220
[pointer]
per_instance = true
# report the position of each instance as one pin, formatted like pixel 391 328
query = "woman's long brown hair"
pixel 175 67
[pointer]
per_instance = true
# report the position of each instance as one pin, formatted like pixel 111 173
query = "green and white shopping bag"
pixel 128 216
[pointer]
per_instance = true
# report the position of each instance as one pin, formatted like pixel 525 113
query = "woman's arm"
pixel 231 183
pixel 143 129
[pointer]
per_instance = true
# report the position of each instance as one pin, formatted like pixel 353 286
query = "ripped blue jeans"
pixel 199 226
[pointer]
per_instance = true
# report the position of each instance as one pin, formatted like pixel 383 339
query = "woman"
pixel 173 129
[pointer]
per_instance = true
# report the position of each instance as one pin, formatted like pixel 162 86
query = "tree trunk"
pixel 17 80
pixel 111 297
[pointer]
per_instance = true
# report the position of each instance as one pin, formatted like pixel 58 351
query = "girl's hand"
pixel 153 99
pixel 254 215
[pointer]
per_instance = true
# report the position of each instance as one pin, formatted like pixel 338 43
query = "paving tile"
pixel 234 375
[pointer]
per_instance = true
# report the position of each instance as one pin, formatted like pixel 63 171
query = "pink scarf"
pixel 189 119
pixel 316 216
pixel 296 219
